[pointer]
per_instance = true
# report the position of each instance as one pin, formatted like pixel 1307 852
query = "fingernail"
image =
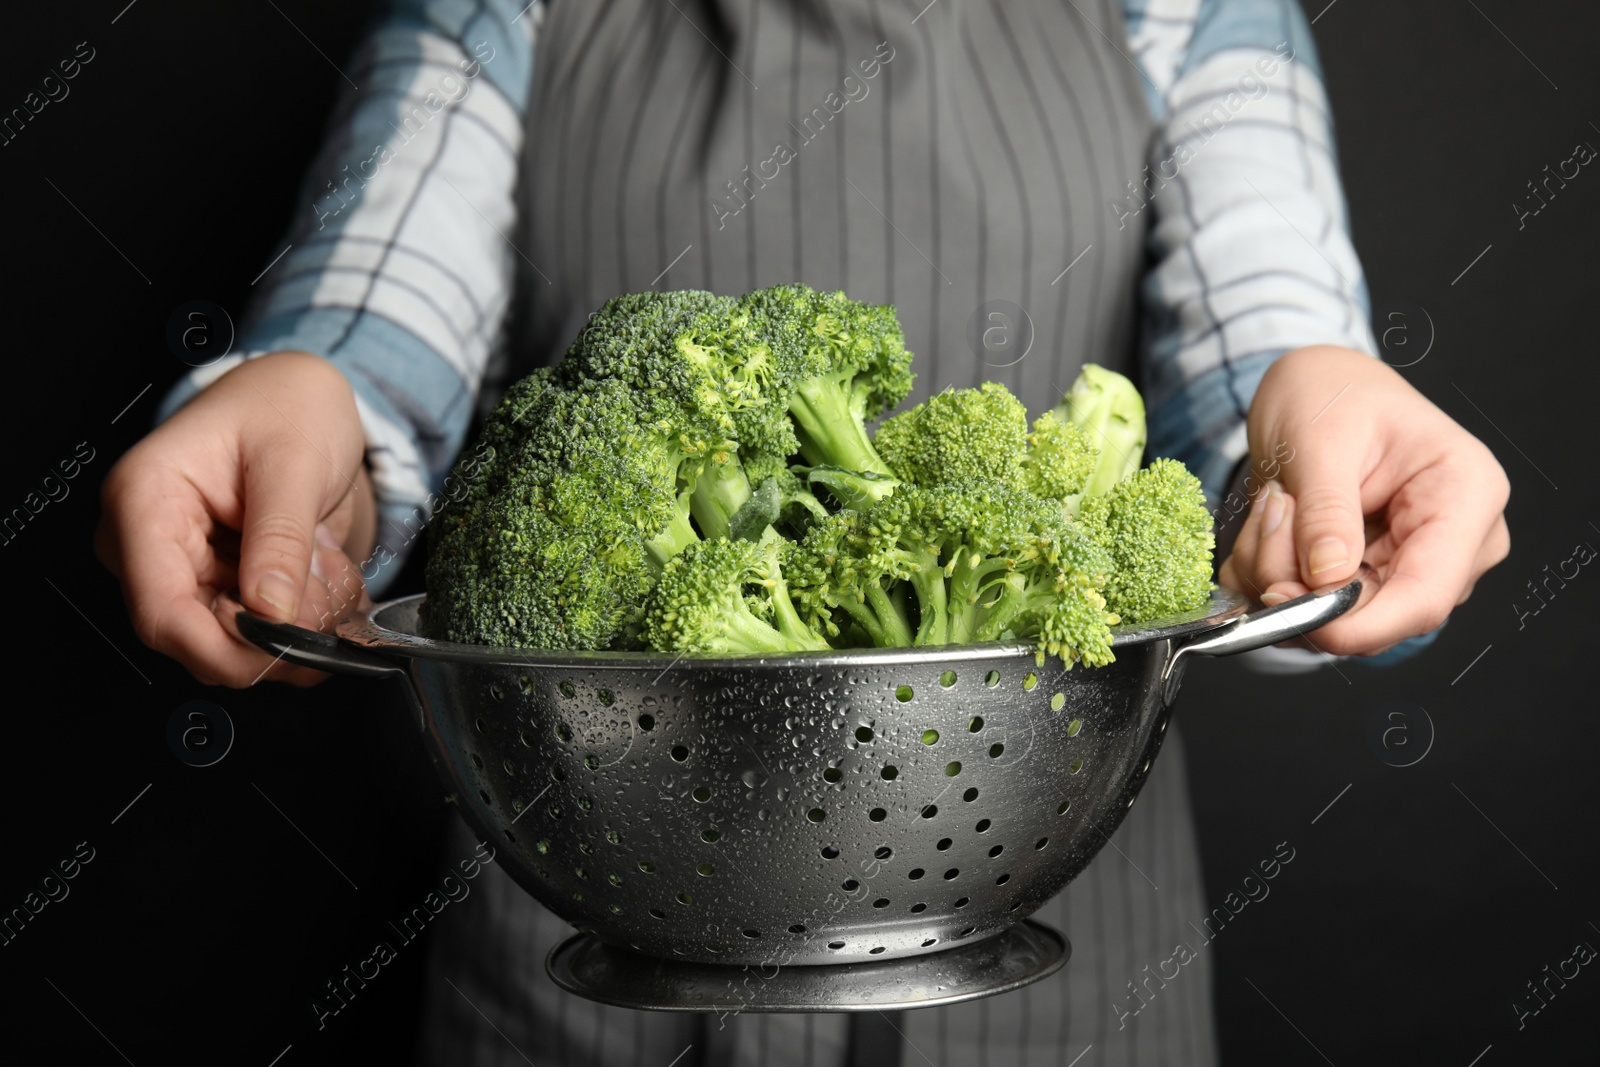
pixel 326 539
pixel 317 568
pixel 278 591
pixel 1272 512
pixel 1272 600
pixel 1327 554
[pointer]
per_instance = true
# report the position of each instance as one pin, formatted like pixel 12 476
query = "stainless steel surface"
pixel 1024 953
pixel 821 808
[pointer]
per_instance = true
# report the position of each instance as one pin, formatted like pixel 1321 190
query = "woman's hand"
pixel 1376 475
pixel 254 485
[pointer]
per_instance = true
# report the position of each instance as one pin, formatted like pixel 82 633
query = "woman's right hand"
pixel 257 485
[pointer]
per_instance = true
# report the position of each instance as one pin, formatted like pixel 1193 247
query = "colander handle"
pixel 1292 618
pixel 308 648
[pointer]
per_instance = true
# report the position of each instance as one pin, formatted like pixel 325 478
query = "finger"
pixel 1238 569
pixel 1277 561
pixel 1424 581
pixel 1329 527
pixel 260 665
pixel 285 482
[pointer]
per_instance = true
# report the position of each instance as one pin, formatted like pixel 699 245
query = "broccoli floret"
pixel 724 597
pixel 1108 409
pixel 851 366
pixel 549 545
pixel 982 434
pixel 952 564
pixel 1159 534
pixel 956 436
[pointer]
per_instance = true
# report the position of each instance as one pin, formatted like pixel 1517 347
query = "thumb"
pixel 1329 527
pixel 284 483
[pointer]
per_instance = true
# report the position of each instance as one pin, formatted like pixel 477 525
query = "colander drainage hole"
pixel 1063 807
pixel 993 852
pixel 647 722
pixel 509 765
pixel 558 774
pixel 983 825
pixel 991 679
pixel 591 761
pixel 568 689
pixel 967 931
pixel 484 793
pixel 1015 906
pixel 509 835
pixel 995 750
pixel 915 873
pixel 877 815
pixel 1073 727
pixel 1075 766
pixel 829 852
pixel 963 902
pixel 863 734
pixel 952 769
pixel 816 815
pixel 832 774
pixel 1002 880
pixel 1058 702
pixel 943 844
pixel 904 694
pixel 916 908
pixel 646 866
pixel 976 724
pixel 930 811
pixel 890 773
pixel 685 898
pixel 1030 680
pixel 970 795
pixel 751 934
pixel 798 928
pixel 702 794
pixel 951 874
pixel 930 737
pixel 881 902
pixel 710 837
pixel 680 753
pixel 1043 841
pixel 850 885
pixel 876 951
pixel 947 679
pixel 658 913
pixel 883 852
pixel 836 945
pixel 482 728
pixel 476 762
pixel 930 942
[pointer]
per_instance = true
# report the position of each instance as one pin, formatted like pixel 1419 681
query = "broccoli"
pixel 851 366
pixel 1107 408
pixel 645 493
pixel 956 563
pixel 722 597
pixel 962 435
pixel 1159 534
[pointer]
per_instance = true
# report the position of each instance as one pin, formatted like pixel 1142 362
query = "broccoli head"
pixel 727 597
pixel 1159 534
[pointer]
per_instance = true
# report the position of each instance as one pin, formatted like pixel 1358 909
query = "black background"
pixel 1402 932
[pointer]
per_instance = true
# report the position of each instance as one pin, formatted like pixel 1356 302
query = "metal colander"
pixel 818 808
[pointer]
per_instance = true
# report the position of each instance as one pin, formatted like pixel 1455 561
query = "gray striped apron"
pixel 952 158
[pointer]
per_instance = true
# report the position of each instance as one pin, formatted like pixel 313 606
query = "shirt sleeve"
pixel 398 267
pixel 1249 241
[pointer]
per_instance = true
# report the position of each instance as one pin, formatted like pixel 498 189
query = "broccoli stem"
pixel 927 581
pixel 830 430
pixel 875 612
pixel 719 491
pixel 746 633
pixel 678 535
pixel 798 635
pixel 966 588
pixel 1017 595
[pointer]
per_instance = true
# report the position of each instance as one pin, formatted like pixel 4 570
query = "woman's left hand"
pixel 1370 475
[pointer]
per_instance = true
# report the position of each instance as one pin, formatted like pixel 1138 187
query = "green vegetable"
pixel 1157 529
pixel 647 493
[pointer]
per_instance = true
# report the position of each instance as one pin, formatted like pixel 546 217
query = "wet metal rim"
pixel 1018 956
pixel 392 628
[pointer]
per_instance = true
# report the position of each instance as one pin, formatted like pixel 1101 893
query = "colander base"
pixel 1017 956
